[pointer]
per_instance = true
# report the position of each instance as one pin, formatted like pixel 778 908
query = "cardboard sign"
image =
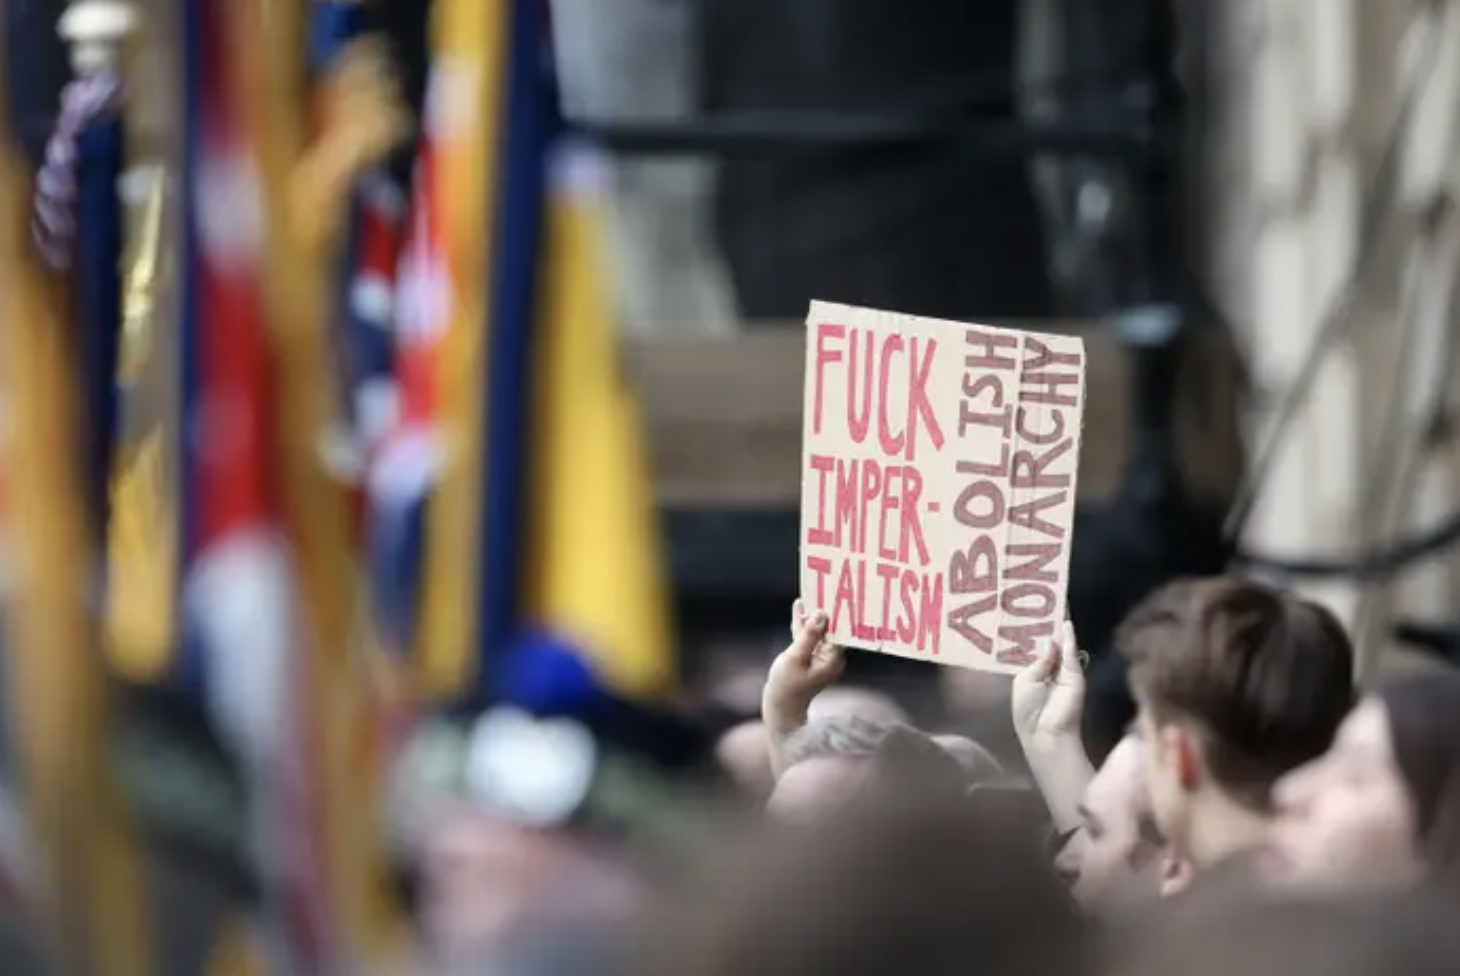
pixel 938 484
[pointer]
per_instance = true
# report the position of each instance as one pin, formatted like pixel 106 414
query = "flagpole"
pixel 315 506
pixel 354 120
pixel 56 697
pixel 59 701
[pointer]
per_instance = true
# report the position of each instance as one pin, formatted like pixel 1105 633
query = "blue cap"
pixel 555 748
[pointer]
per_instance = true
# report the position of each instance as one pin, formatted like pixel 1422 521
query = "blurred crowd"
pixel 1257 817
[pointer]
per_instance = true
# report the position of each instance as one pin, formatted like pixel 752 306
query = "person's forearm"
pixel 782 719
pixel 1062 771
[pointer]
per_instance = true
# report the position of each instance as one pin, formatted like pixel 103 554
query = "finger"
pixel 809 637
pixel 1069 649
pixel 829 656
pixel 1043 667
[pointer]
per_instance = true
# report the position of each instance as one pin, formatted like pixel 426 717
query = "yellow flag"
pixel 462 134
pixel 142 543
pixel 142 532
pixel 598 573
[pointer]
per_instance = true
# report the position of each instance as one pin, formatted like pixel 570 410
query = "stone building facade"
pixel 1330 174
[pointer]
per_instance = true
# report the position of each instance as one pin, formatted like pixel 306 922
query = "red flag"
pixel 240 622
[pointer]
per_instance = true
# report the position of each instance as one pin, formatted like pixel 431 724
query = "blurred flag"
pixel 240 622
pixel 94 101
pixel 142 549
pixel 408 465
pixel 77 226
pixel 332 25
pixel 565 538
pixel 362 315
pixel 597 573
pixel 528 126
pixel 424 483
pixel 361 325
pixel 363 322
pixel 596 576
pixel 96 269
pixel 85 884
pixel 140 621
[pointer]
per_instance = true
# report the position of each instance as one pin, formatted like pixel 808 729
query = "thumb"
pixel 1069 650
pixel 798 617
pixel 808 638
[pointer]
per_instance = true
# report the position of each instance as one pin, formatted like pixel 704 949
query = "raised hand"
pixel 1047 699
pixel 808 665
pixel 1049 695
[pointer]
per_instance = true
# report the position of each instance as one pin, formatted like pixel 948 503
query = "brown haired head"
pixel 1266 676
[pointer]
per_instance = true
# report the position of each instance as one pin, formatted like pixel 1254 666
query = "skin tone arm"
pixel 807 666
pixel 1047 701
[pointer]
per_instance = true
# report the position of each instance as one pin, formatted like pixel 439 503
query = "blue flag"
pixel 100 150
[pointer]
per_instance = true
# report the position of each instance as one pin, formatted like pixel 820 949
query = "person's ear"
pixel 1179 754
pixel 1188 758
